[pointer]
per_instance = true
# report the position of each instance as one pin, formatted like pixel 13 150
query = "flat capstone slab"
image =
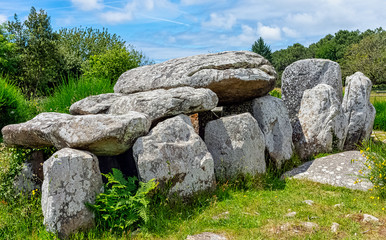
pixel 337 170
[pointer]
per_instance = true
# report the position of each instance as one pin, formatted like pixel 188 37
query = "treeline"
pixel 37 59
pixel 353 50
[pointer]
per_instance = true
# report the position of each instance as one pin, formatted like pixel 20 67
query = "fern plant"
pixel 124 204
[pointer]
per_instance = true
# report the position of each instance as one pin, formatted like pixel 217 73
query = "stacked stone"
pixel 144 127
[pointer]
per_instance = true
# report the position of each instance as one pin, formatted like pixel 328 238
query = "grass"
pixel 74 90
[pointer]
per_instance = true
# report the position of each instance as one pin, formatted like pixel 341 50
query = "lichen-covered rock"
pixel 237 146
pixel 156 104
pixel 173 153
pixel 233 76
pixel 272 117
pixel 71 179
pixel 306 74
pixel 322 121
pixel 358 109
pixel 96 104
pixel 100 134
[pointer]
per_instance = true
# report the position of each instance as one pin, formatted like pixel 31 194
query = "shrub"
pixel 74 90
pixel 124 205
pixel 380 117
pixel 13 107
pixel 375 165
pixel 275 93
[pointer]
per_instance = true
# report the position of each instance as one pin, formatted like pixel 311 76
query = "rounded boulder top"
pixel 235 76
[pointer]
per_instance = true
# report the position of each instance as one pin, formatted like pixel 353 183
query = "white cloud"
pixel 289 32
pixel 117 17
pixel 220 21
pixel 3 18
pixel 88 5
pixel 268 33
pixel 196 2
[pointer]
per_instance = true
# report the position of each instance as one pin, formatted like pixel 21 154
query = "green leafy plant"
pixel 374 165
pixel 124 204
pixel 275 93
pixel 13 107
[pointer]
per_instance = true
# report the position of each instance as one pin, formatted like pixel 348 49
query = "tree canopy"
pixel 260 47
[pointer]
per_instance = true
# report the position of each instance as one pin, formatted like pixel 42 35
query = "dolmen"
pixel 145 128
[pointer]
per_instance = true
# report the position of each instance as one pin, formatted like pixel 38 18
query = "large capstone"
pixel 237 146
pixel 156 104
pixel 322 121
pixel 173 154
pixel 100 134
pixel 358 109
pixel 307 74
pixel 71 179
pixel 233 76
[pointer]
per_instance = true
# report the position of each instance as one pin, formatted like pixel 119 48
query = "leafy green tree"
pixel 260 47
pixel 77 45
pixel 39 56
pixel 112 63
pixel 367 56
pixel 8 58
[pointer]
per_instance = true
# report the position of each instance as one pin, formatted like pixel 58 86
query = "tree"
pixel 8 58
pixel 368 56
pixel 39 56
pixel 260 47
pixel 77 45
pixel 112 63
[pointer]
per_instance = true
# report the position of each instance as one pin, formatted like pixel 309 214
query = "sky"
pixel 166 29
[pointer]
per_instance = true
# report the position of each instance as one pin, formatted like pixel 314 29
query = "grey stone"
pixel 71 179
pixel 369 218
pixel 306 74
pixel 358 109
pixel 290 214
pixel 335 227
pixel 337 169
pixel 156 104
pixel 173 153
pixel 310 226
pixel 308 202
pixel 272 117
pixel 25 181
pixel 100 134
pixel 96 104
pixel 233 76
pixel 206 236
pixel 322 121
pixel 237 146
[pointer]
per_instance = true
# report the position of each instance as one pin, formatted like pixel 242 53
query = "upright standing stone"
pixel 173 153
pixel 71 179
pixel 237 146
pixel 322 121
pixel 233 76
pixel 307 74
pixel 358 109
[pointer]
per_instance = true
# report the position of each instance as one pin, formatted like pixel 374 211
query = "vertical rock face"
pixel 358 109
pixel 237 146
pixel 233 76
pixel 272 117
pixel 306 74
pixel 322 121
pixel 71 178
pixel 173 153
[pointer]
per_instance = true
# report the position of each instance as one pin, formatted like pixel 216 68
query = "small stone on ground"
pixel 206 236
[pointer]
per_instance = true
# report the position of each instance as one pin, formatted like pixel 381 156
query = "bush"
pixel 13 107
pixel 375 165
pixel 275 93
pixel 124 205
pixel 74 90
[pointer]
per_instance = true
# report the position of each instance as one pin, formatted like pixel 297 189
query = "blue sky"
pixel 165 29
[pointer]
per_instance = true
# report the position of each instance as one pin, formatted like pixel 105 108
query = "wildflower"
pixel 367 149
